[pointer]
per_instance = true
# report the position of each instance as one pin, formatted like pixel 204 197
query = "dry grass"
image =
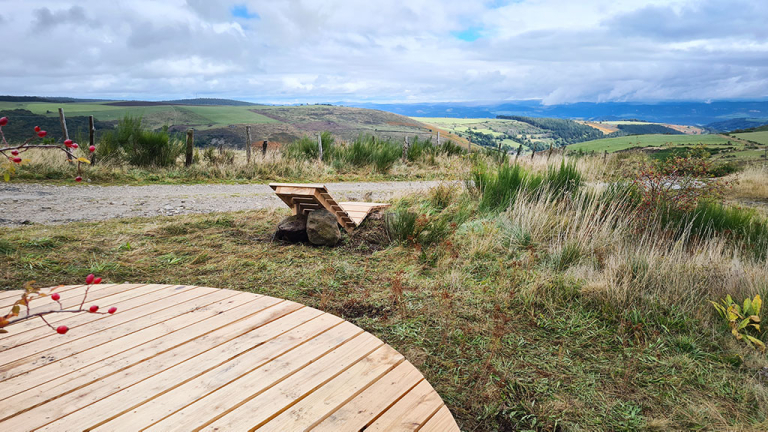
pixel 53 167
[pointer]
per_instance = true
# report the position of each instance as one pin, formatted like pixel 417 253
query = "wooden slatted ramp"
pixel 188 358
pixel 303 198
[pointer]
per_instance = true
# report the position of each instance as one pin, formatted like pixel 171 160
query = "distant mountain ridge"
pixel 686 113
pixel 196 101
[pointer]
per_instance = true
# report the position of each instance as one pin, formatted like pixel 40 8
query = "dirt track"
pixel 45 204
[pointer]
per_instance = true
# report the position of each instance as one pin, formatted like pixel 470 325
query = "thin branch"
pixel 40 314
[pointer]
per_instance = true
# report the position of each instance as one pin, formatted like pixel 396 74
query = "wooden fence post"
pixel 533 152
pixel 190 146
pixel 63 121
pixel 264 149
pixel 92 138
pixel 550 152
pixel 519 150
pixel 320 146
pixel 438 138
pixel 469 146
pixel 248 143
pixel 405 149
pixel 605 156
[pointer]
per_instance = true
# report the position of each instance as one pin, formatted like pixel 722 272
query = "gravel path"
pixel 46 204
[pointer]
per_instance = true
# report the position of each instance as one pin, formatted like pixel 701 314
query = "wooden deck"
pixel 303 198
pixel 190 358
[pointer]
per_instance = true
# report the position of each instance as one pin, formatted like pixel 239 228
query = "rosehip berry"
pixel 89 278
pixel 37 128
pixel 92 148
pixel 68 143
pixel 62 329
pixel 42 134
pixel 78 179
pixel 112 310
pixel 15 152
pixel 97 281
pixel 93 309
pixel 3 121
pixel 55 296
pixel 74 146
pixel 17 159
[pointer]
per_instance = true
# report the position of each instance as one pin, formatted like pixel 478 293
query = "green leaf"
pixel 83 160
pixel 752 340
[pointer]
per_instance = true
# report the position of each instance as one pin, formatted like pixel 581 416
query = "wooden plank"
pixel 325 400
pixel 442 421
pixel 410 412
pixel 9 300
pixel 53 340
pixel 124 301
pixel 295 191
pixel 261 407
pixel 146 414
pixel 368 405
pixel 148 328
pixel 306 185
pixel 74 297
pixel 146 391
pixel 143 380
pixel 264 377
pixel 167 350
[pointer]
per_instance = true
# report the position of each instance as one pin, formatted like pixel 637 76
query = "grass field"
pixel 758 137
pixel 623 143
pixel 552 315
pixel 274 123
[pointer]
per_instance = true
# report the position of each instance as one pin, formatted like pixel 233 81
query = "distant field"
pixel 623 143
pixel 227 122
pixel 758 137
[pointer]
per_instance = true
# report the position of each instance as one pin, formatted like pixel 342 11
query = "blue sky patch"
pixel 241 11
pixel 470 34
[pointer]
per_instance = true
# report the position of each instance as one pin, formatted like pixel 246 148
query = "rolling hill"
pixel 214 119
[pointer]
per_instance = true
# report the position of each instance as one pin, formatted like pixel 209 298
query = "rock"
pixel 292 229
pixel 322 228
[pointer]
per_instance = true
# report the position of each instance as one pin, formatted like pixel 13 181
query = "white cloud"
pixel 330 50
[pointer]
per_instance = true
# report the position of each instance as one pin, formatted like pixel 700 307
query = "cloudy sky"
pixel 386 51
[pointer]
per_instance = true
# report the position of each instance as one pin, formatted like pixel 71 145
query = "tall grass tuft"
pixel 498 187
pixel 130 142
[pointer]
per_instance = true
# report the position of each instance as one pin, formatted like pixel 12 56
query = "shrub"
pixel 498 188
pixel 130 142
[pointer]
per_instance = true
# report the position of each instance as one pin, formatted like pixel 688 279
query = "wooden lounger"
pixel 303 198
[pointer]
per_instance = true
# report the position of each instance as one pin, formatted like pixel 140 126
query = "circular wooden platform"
pixel 195 358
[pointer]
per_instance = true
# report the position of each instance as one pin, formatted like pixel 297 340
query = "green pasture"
pixel 758 137
pixel 623 143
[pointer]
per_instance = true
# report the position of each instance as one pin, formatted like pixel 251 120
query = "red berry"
pixel 74 146
pixel 55 296
pixel 42 134
pixel 15 152
pixel 97 281
pixel 89 278
pixel 62 329
pixel 37 128
pixel 17 159
pixel 92 148
pixel 68 143
pixel 3 121
pixel 93 308
pixel 112 310
pixel 78 179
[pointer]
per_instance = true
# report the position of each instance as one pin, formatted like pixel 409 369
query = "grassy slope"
pixel 275 123
pixel 623 143
pixel 758 137
pixel 500 362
